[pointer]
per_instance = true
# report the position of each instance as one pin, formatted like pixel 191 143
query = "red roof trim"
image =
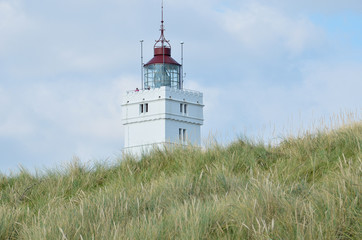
pixel 162 59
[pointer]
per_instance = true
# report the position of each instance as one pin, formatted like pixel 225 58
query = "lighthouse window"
pixel 183 108
pixel 141 108
pixel 182 135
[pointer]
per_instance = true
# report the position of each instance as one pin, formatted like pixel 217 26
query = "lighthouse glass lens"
pixel 158 75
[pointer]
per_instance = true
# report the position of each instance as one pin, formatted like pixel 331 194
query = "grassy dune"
pixel 304 188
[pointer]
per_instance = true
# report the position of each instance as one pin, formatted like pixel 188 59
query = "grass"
pixel 304 188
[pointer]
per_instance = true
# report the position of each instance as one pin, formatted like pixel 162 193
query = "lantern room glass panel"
pixel 158 75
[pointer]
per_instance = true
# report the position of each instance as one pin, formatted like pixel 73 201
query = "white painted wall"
pixel 160 125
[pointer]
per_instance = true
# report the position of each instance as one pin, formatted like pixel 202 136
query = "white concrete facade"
pixel 161 117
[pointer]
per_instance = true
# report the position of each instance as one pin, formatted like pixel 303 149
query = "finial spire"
pixel 162 40
pixel 162 26
pixel 162 12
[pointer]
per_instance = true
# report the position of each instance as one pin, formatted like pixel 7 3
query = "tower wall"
pixel 161 116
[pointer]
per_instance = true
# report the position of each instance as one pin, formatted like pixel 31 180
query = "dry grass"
pixel 304 188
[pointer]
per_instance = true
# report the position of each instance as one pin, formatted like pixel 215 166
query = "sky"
pixel 267 68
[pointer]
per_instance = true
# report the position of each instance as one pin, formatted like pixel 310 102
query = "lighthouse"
pixel 161 113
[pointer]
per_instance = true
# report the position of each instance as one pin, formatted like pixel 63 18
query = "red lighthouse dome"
pixel 162 69
pixel 162 55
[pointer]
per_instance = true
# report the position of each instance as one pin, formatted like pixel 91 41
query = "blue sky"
pixel 265 67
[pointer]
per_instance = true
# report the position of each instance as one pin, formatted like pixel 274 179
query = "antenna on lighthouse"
pixel 182 66
pixel 141 64
pixel 163 46
pixel 162 14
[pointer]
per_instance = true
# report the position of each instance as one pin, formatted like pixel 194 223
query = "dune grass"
pixel 304 188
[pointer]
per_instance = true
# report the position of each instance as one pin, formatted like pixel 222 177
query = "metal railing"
pixel 166 88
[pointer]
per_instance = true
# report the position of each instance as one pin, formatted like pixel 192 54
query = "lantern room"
pixel 162 69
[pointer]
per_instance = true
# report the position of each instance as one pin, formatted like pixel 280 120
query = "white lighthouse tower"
pixel 161 113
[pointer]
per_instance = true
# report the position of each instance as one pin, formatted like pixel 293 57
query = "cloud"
pixel 13 23
pixel 266 30
pixel 251 107
pixel 333 85
pixel 324 6
pixel 63 119
pixel 12 119
pixel 51 38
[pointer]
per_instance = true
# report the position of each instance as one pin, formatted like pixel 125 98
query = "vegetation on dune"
pixel 303 188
